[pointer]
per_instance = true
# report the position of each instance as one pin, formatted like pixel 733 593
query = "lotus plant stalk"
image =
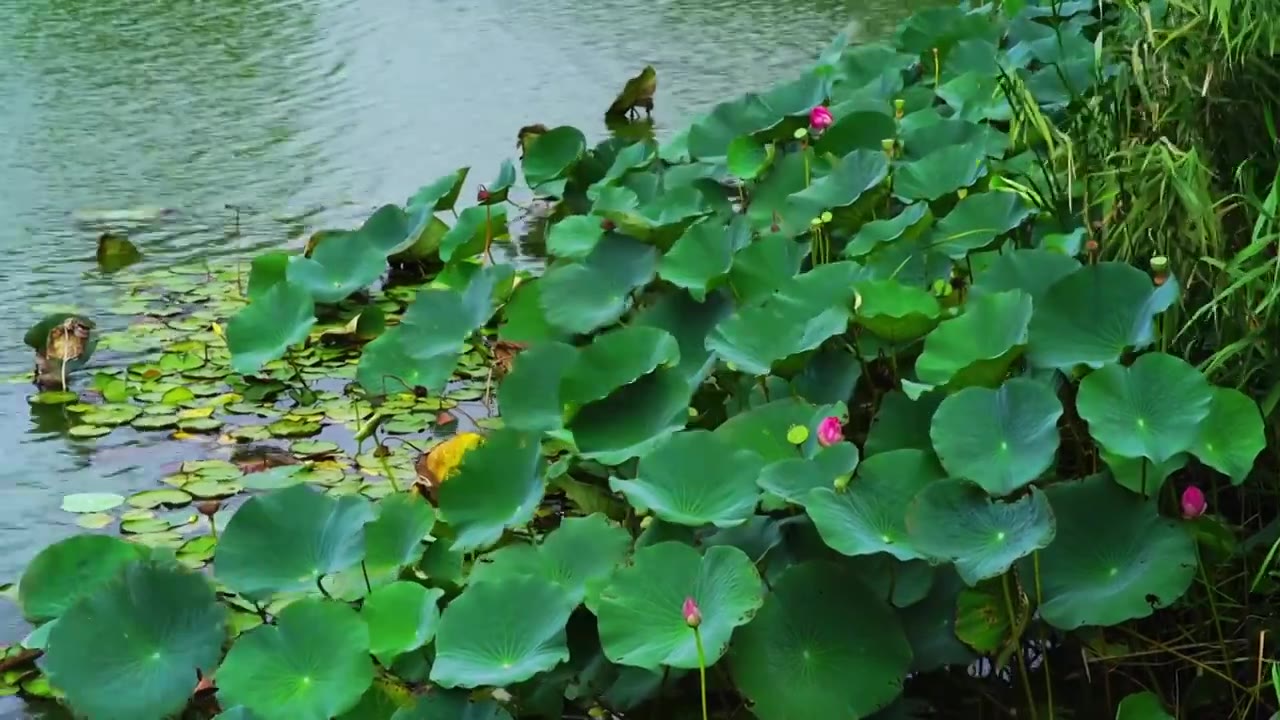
pixel 693 618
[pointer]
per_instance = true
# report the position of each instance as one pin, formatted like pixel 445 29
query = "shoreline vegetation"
pixel 936 381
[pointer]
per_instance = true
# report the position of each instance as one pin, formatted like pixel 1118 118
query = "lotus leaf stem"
pixel 1022 654
pixel 702 670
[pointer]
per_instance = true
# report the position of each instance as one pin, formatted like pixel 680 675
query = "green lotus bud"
pixel 887 145
pixel 899 108
pixel 1159 264
pixel 827 216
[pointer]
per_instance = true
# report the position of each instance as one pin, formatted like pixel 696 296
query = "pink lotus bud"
pixel 830 432
pixel 820 118
pixel 482 195
pixel 1193 502
pixel 692 616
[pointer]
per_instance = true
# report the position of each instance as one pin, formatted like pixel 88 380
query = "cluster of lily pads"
pixel 854 388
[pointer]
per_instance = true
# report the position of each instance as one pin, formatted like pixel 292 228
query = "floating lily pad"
pixel 695 478
pixel 155 498
pixel 200 425
pixel 111 415
pixel 293 428
pixel 313 448
pixel 88 431
pixel 91 502
pixel 94 521
pixel 154 422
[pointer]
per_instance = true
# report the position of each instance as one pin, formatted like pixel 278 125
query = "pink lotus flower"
pixel 1193 502
pixel 830 431
pixel 820 118
pixel 692 616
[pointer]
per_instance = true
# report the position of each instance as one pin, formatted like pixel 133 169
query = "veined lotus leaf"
pixel 264 330
pixel 441 194
pixel 792 479
pixel 1142 706
pixel 68 570
pixel 639 611
pixel 694 478
pixel 805 311
pixel 1232 435
pixel 771 202
pixel 633 418
pixel 823 642
pixel 912 221
pixel 1154 408
pixel 453 705
pixel 897 312
pixel 859 64
pixel 530 394
pixel 498 486
pixel 575 237
pixel 501 633
pixel 392 540
pixel 286 540
pixel 576 556
pixel 582 297
pixel 931 625
pixel 1067 329
pixel 312 664
pixel 956 520
pixel 920 140
pixel 762 267
pixel 861 130
pixel 616 358
pixel 667 211
pixel 689 322
pixel 747 157
pixel 476 228
pixel 1000 439
pixel 940 172
pixel 339 267
pixel 976 96
pixel 1031 270
pixel 552 154
pixel 265 271
pixel 524 320
pixel 942 28
pixel 391 230
pixel 92 502
pixel 978 346
pixel 856 173
pixel 401 617
pixel 870 515
pixel 703 255
pixel 152 628
pixel 977 220
pixel 752 113
pixel 763 429
pixel 500 188
pixel 1114 559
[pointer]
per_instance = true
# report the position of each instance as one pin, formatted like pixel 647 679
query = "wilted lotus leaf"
pixel 441 462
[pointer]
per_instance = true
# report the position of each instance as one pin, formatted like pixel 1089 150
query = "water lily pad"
pixel 1232 435
pixel 574 556
pixel 88 431
pixel 287 539
pixel 199 425
pixel 154 422
pixel 823 642
pixel 111 415
pixel 1114 558
pixel 317 656
pixel 501 633
pixel 208 489
pixel 53 397
pixel 639 611
pixel 94 521
pixel 956 520
pixel 499 485
pixel 401 616
pixel 695 478
pixel 70 569
pixel 153 627
pixel 91 502
pixel 293 428
pixel 1001 439
pixel 155 498
pixel 313 448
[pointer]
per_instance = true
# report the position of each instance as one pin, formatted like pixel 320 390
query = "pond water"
pixel 302 114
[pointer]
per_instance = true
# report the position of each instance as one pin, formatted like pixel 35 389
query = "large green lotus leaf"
pixel 762 267
pixel 694 478
pixel 529 395
pixel 956 520
pixel 747 157
pixel 1031 270
pixel 616 358
pixel 639 611
pixel 1142 706
pixel 580 553
pixel 1154 408
pixel 501 633
pixel 921 139
pixel 70 569
pixel 763 429
pixel 633 418
pixel 865 130
pixel 900 583
pixel 711 135
pixel 286 540
pixel 1232 435
pixel 1114 560
pixel 498 486
pixel 582 297
pixel 131 648
pixel 312 664
pixel 701 258
pixel 440 705
pixel 390 364
pixel 978 346
pixel 551 155
pixel 523 318
pixel 976 96
pixel 1000 439
pixel 829 376
pixel 897 312
pixel 441 194
pixel 263 330
pixel 805 311
pixel 931 625
pixel 859 64
pixel 1068 329
pixel 575 237
pixel 393 541
pixel 902 422
pixel 870 515
pixel 674 207
pixel 856 173
pixel 476 227
pixel 940 172
pixel 770 204
pixel 822 642
pixel 912 221
pixel 265 271
pixel 632 157
pixel 338 267
pixel 793 478
pixel 401 617
pixel 689 322
pixel 976 222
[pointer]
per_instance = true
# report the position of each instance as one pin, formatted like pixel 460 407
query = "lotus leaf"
pixel 633 419
pixel 441 194
pixel 66 571
pixel 913 220
pixel 855 174
pixel 582 297
pixel 703 255
pixel 931 625
pixel 695 478
pixel 402 617
pixel 281 317
pixel 578 555
pixel 976 221
pixel 338 267
pixel 456 706
pixel 614 359
pixel 940 172
pixel 551 155
pixel 475 229
pixel 1231 435
pixel 792 479
pixel 575 237
pixel 763 429
pixel 498 486
pixel 978 346
pixel 897 312
pixel 501 186
pixel 1142 706
pixel 747 157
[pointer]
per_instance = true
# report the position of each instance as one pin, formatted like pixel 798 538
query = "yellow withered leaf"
pixel 443 460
